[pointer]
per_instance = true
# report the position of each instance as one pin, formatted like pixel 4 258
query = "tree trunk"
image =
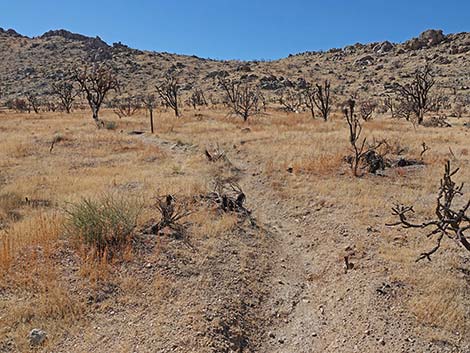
pixel 97 120
pixel 313 112
pixel 420 118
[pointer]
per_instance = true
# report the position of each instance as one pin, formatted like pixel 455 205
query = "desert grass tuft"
pixel 104 224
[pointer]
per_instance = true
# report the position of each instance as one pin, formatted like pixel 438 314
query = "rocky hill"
pixel 32 64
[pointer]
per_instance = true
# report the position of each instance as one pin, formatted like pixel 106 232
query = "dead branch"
pixel 450 222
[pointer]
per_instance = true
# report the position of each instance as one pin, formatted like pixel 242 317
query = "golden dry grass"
pixel 88 162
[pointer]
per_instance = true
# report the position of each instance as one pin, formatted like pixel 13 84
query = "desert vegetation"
pixel 228 213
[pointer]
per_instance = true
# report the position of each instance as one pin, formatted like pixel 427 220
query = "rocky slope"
pixel 32 64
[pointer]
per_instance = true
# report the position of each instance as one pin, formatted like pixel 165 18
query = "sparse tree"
pixel 416 93
pixel 321 98
pixel 403 110
pixel 51 106
pixel 96 82
pixel 33 102
pixel 242 98
pixel 309 100
pixel 66 92
pixel 18 104
pixel 366 109
pixel 126 106
pixel 291 100
pixel 168 91
pixel 362 152
pixel 355 129
pixel 389 105
pixel 197 98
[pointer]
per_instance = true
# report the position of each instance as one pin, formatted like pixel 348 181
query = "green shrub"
pixel 110 125
pixel 105 224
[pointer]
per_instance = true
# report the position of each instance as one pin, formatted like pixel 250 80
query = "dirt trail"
pixel 314 304
pixel 284 291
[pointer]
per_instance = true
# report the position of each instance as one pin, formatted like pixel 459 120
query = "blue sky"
pixel 238 29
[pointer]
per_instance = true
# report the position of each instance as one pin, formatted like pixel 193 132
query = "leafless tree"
pixel 66 92
pixel 451 221
pixel 309 101
pixel 291 100
pixel 355 129
pixel 126 106
pixel 150 102
pixel 33 102
pixel 362 152
pixel 51 106
pixel 96 81
pixel 403 110
pixel 366 109
pixel 321 98
pixel 416 93
pixel 18 104
pixel 197 98
pixel 168 91
pixel 242 98
pixel 389 105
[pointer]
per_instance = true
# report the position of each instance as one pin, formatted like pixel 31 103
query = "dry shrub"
pixel 10 202
pixel 105 224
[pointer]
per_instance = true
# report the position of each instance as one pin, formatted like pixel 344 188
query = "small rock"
pixel 382 341
pixel 281 340
pixel 271 334
pixel 314 334
pixel 37 337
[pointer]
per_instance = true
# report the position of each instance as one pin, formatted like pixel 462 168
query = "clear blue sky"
pixel 237 29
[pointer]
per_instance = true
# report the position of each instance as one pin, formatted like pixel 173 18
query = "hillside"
pixel 209 234
pixel 32 64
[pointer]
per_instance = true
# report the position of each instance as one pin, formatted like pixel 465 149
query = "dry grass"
pixel 89 162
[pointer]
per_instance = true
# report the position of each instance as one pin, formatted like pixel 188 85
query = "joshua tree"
pixel 309 101
pixel 18 104
pixel 33 102
pixel 125 107
pixel 321 98
pixel 355 129
pixel 242 98
pixel 197 98
pixel 291 100
pixel 416 93
pixel 168 92
pixel 96 82
pixel 366 109
pixel 66 92
pixel 150 101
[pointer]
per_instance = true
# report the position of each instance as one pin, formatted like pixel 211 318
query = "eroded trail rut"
pixel 313 303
